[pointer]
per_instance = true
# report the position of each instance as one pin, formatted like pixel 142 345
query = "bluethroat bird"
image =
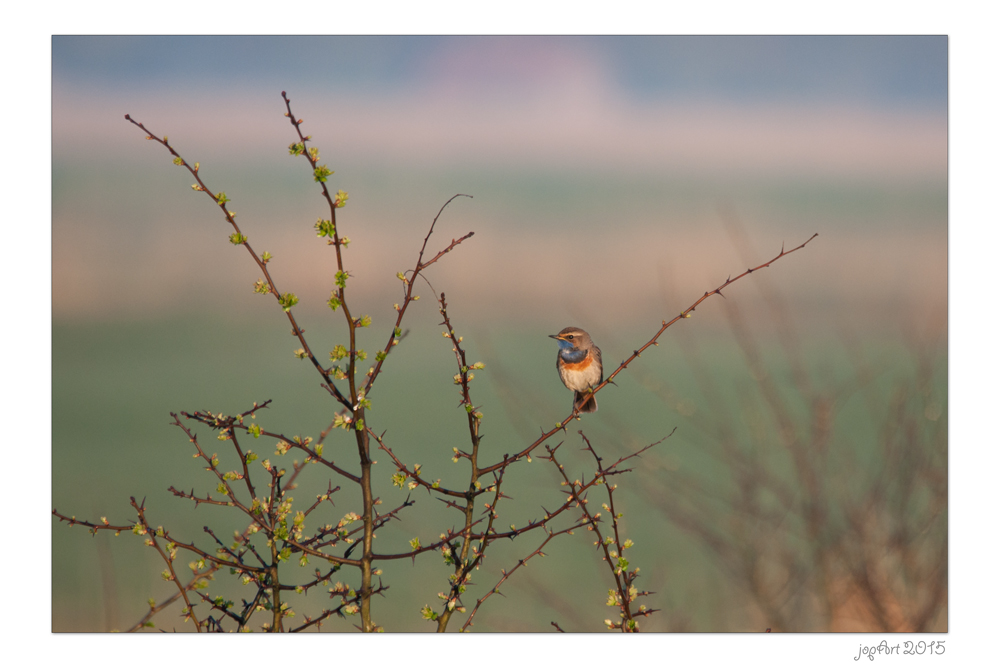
pixel 579 365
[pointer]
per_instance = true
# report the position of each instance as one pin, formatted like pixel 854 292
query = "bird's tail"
pixel 585 402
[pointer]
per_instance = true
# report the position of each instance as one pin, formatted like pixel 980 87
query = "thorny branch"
pixel 520 563
pixel 408 290
pixel 686 313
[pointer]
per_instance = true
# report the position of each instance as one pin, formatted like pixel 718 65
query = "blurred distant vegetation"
pixel 723 550
pixel 804 489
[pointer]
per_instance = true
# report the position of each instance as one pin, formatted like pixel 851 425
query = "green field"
pixel 115 384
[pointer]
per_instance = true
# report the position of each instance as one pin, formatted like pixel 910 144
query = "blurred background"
pixel 614 181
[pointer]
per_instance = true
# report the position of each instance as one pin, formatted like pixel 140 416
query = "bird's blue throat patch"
pixel 569 354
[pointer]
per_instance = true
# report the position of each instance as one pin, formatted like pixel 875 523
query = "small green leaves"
pixel 338 353
pixel 221 198
pixel 334 302
pixel 261 287
pixel 321 173
pixel 360 424
pixel 363 321
pixel 341 421
pixel 479 365
pixel 325 228
pixel 415 543
pixel 341 279
pixel 296 149
pixel 399 479
pixel 361 355
pixel 287 300
pixel 179 161
pixel 301 353
pixel 254 430
pixel 340 200
pixel 265 257
pixel 237 239
pixel 314 154
pixel 428 614
pixel 380 355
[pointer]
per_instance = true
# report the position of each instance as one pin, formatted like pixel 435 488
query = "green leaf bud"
pixel 321 173
pixel 287 300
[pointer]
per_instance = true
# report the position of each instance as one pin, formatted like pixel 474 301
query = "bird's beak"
pixel 556 336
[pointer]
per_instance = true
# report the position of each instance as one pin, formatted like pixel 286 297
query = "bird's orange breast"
pixel 581 365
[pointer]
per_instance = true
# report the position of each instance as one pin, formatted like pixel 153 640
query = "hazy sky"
pixel 855 107
pixel 868 71
pixel 617 137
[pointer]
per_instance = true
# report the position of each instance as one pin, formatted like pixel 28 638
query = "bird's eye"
pixel 570 336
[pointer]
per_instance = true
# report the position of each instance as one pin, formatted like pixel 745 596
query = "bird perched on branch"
pixel 579 365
